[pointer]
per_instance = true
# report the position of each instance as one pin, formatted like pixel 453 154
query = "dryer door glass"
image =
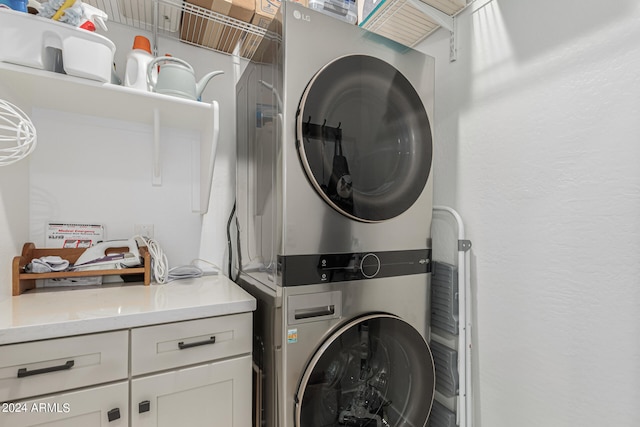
pixel 375 371
pixel 364 138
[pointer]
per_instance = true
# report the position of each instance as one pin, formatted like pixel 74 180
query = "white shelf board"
pixel 45 89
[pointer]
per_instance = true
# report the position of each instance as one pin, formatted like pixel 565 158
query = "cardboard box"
pixel 241 10
pixel 202 30
pixel 264 13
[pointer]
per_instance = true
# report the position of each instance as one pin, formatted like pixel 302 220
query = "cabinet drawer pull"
pixel 144 406
pixel 22 372
pixel 182 345
pixel 113 414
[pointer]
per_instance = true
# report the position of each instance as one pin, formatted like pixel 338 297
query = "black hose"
pixel 229 245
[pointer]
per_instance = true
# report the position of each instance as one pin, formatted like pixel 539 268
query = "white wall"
pixel 14 208
pixel 209 242
pixel 537 127
pixel 14 225
pixel 88 169
pixel 92 170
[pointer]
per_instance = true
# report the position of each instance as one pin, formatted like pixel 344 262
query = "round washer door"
pixel 364 138
pixel 376 370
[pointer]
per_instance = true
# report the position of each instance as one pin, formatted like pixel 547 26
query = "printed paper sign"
pixel 73 235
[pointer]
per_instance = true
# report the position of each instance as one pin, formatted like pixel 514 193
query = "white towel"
pixel 47 264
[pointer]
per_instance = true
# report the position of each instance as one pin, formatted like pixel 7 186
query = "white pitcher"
pixel 176 78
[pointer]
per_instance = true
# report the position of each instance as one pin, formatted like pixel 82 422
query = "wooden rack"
pixel 23 281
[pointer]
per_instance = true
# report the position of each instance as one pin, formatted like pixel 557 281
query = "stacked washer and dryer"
pixel 334 205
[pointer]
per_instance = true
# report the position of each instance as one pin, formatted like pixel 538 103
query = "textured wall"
pixel 14 224
pixel 537 127
pixel 14 206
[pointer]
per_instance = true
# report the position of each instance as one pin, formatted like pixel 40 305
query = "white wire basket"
pixel 17 134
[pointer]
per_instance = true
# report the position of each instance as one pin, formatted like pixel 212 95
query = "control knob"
pixel 370 265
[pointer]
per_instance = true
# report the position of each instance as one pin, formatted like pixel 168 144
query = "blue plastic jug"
pixel 20 5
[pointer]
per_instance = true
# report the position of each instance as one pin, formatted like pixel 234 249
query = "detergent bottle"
pixel 135 74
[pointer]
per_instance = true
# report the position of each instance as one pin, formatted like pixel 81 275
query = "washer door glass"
pixel 364 138
pixel 376 371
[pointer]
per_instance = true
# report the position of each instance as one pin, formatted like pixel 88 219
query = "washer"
pixel 334 202
pixel 342 354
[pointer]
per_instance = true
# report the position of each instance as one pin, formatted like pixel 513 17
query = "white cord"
pixel 212 264
pixel 160 265
pixel 159 262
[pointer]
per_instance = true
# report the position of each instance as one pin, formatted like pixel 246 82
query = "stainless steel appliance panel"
pixel 286 228
pixel 330 232
pixel 288 345
pixel 279 210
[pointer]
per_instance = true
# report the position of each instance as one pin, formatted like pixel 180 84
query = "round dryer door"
pixel 364 138
pixel 375 371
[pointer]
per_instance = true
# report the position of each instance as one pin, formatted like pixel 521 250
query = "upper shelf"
pixel 405 21
pixel 77 95
pixel 410 21
pixel 184 21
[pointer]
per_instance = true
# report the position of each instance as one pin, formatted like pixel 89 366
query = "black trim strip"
pixel 296 270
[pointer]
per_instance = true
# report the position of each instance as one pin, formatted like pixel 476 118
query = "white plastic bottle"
pixel 135 74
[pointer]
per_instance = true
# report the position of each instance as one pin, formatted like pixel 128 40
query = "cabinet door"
pixel 216 394
pixel 93 407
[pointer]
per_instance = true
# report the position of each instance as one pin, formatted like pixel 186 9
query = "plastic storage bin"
pixel 345 10
pixel 42 43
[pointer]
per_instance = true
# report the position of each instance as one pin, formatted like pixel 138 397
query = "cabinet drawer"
pixel 42 367
pixel 155 348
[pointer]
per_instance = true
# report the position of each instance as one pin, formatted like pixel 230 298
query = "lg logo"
pixel 298 15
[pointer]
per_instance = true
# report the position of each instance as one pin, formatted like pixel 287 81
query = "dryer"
pixel 334 146
pixel 334 202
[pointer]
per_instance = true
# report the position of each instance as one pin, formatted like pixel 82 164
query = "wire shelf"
pixel 186 22
pixel 410 21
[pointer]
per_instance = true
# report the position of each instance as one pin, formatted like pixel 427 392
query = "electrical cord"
pixel 160 264
pixel 229 244
pixel 214 265
pixel 239 249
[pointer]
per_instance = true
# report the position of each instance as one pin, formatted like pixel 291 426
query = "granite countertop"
pixel 48 313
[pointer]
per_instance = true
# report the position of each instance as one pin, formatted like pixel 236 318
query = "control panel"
pixel 324 268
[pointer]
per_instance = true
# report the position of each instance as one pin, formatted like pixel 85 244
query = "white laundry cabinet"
pixel 192 373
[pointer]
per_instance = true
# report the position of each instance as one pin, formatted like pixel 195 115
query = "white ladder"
pixel 463 401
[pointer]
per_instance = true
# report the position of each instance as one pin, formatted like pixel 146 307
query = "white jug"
pixel 135 74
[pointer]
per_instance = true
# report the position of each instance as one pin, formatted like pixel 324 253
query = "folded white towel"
pixel 47 264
